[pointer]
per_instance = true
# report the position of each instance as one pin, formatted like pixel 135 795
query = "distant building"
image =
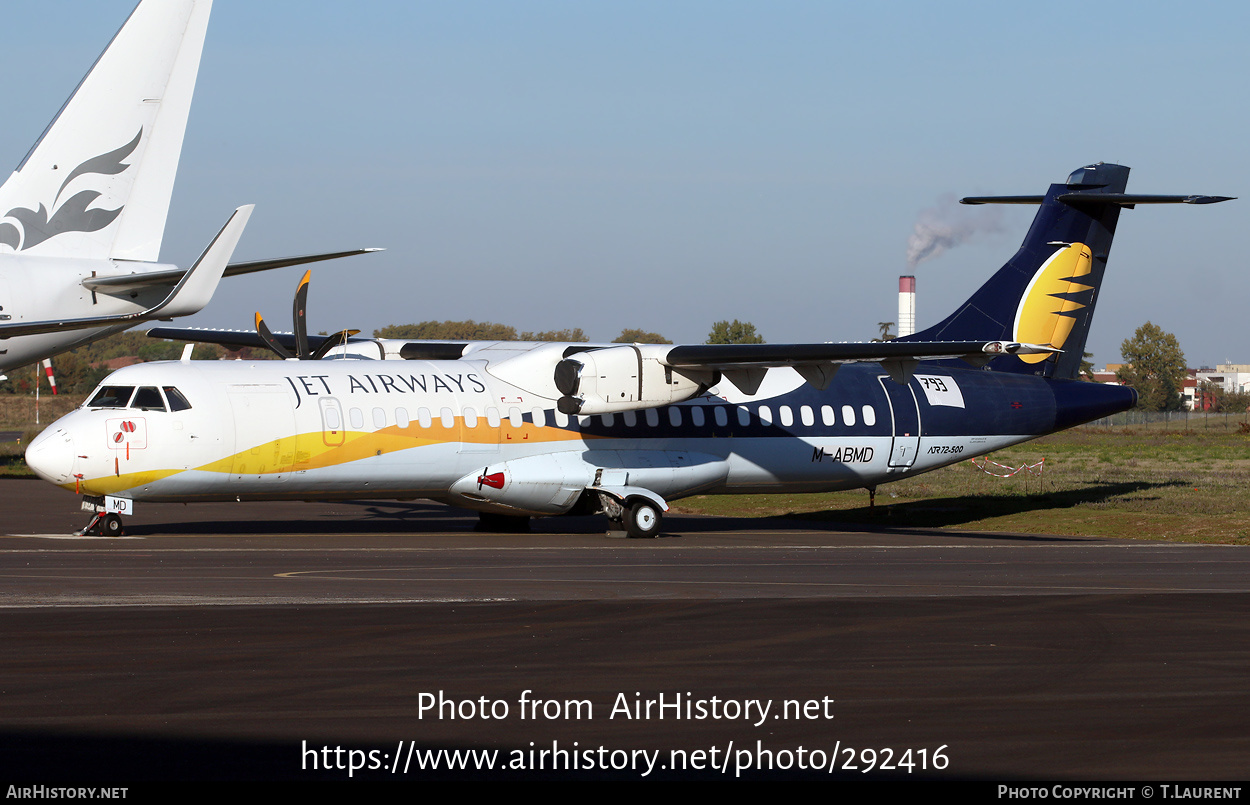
pixel 1233 378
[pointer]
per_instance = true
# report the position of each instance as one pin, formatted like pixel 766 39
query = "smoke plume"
pixel 948 224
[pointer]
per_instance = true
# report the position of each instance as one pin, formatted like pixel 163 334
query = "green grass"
pixel 17 411
pixel 1148 483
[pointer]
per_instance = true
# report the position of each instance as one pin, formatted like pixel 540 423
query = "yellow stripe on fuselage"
pixel 308 451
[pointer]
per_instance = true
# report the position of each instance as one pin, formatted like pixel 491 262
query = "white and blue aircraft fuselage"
pixel 527 429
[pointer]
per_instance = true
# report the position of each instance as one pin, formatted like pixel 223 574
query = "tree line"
pixel 722 332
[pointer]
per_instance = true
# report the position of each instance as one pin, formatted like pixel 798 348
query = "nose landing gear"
pixel 104 525
pixel 107 511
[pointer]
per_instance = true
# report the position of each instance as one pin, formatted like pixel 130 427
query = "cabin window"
pixel 848 415
pixel 424 418
pixel 674 417
pixel 357 418
pixel 766 415
pixel 744 416
pixel 147 398
pixel 630 418
pixel 607 419
pixel 585 421
pixel 515 417
pixel 492 416
pixel 653 417
pixel 333 423
pixel 401 417
pixel 870 415
pixel 561 418
pixel 722 418
pixel 379 418
pixel 540 417
pixel 807 415
pixel 448 418
pixel 787 416
pixel 826 414
pixel 696 416
pixel 176 401
pixel 112 397
pixel 470 418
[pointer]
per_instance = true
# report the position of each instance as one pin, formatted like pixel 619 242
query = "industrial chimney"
pixel 906 305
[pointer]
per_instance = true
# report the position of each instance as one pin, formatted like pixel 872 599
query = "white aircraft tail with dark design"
pixel 83 216
pixel 98 182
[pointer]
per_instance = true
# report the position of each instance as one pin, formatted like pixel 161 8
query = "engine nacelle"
pixel 626 378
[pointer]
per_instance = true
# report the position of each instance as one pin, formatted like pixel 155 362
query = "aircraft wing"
pixel 730 356
pixel 189 295
pixel 744 364
pixel 127 282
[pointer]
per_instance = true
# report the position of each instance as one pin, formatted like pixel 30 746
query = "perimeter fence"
pixel 1230 422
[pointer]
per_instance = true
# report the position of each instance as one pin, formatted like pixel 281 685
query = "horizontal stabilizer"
pixel 1122 199
pixel 1131 199
pixel 1002 200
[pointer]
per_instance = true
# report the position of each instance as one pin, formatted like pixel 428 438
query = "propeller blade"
pixel 331 342
pixel 263 331
pixel 301 322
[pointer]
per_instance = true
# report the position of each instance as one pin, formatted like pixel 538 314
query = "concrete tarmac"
pixel 252 641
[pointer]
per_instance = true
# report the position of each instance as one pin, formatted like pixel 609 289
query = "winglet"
pixel 192 293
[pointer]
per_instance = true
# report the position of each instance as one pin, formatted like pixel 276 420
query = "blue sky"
pixel 663 165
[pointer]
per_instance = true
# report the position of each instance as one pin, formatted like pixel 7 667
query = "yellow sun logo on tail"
pixel 1048 309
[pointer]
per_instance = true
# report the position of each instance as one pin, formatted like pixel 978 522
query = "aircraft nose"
pixel 51 455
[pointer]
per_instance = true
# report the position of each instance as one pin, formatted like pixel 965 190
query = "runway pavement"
pixel 230 641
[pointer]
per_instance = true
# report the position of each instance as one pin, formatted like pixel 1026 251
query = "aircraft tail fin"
pixel 98 182
pixel 1046 293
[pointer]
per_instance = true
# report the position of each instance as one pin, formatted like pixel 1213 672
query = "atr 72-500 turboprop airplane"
pixel 83 216
pixel 521 429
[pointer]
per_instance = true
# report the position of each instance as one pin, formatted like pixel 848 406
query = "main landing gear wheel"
pixel 642 521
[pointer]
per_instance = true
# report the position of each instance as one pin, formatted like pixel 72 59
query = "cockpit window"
pixel 148 398
pixel 111 397
pixel 176 401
